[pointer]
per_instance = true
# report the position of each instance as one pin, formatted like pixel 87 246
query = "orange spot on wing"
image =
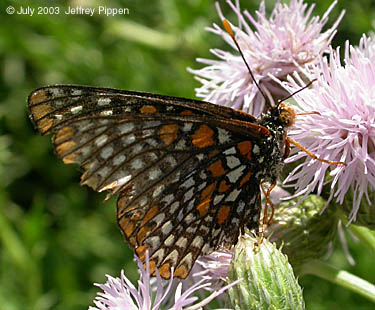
pixel 168 133
pixel 41 110
pixel 223 214
pixel 150 214
pixel 187 112
pixel 136 216
pixel 207 192
pixel 245 148
pixel 141 252
pixel 181 272
pixel 217 169
pixel 203 207
pixel 37 97
pixel 71 158
pixel 152 266
pixel 203 137
pixel 127 226
pixel 65 148
pixel 165 271
pixel 143 232
pixel 132 241
pixel 44 125
pixel 223 187
pixel 148 109
pixel 245 179
pixel 63 134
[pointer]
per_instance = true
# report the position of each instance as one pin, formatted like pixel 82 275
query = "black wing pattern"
pixel 183 169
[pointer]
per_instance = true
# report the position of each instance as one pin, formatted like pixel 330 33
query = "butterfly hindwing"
pixel 182 168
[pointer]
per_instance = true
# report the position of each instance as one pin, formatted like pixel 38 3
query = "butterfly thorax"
pixel 271 156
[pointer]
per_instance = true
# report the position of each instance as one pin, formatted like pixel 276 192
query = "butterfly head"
pixel 286 114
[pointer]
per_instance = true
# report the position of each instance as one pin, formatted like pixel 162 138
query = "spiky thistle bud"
pixel 302 231
pixel 268 279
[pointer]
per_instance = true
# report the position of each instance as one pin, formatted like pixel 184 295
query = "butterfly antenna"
pixel 229 30
pixel 296 92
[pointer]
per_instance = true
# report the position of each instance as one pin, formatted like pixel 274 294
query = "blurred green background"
pixel 57 238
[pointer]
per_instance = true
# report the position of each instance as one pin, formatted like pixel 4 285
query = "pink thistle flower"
pixel 344 130
pixel 212 268
pixel 121 294
pixel 279 45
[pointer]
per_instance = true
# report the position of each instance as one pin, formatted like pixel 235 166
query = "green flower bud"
pixel 268 279
pixel 302 231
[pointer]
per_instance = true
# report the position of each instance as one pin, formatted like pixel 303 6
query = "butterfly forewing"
pixel 183 169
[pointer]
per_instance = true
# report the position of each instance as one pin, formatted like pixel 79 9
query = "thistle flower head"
pixel 121 294
pixel 212 268
pixel 342 130
pixel 268 279
pixel 300 230
pixel 279 45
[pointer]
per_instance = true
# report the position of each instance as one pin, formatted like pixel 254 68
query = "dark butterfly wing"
pixel 182 168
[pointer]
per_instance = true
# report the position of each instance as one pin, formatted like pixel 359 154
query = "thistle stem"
pixel 365 235
pixel 340 277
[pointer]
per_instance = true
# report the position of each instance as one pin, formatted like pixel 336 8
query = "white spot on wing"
pixel 187 260
pixel 197 242
pixel 174 207
pixel 189 218
pixel 158 255
pixel 181 242
pixel 168 199
pixel 240 207
pixel 233 195
pixel 158 191
pixel 154 242
pixel 119 159
pixel 106 152
pixel 104 101
pixel 172 257
pixel 230 151
pixel 232 162
pixel 137 164
pixel 187 127
pixel 107 113
pixel 77 109
pixel 206 249
pixel 188 183
pixel 104 172
pixel 159 218
pixel 169 240
pixel 166 229
pixel 181 145
pixel 171 160
pixel 218 198
pixel 125 127
pixel 76 92
pixel 223 135
pixel 101 140
pixel 188 195
pixel 235 174
pixel 200 156
pixel 256 149
pixel 128 139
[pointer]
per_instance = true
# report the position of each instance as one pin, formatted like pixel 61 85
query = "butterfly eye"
pixel 287 114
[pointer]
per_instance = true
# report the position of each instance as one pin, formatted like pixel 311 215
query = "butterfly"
pixel 187 173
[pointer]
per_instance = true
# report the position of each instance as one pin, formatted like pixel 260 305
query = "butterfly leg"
pixel 302 148
pixel 267 218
